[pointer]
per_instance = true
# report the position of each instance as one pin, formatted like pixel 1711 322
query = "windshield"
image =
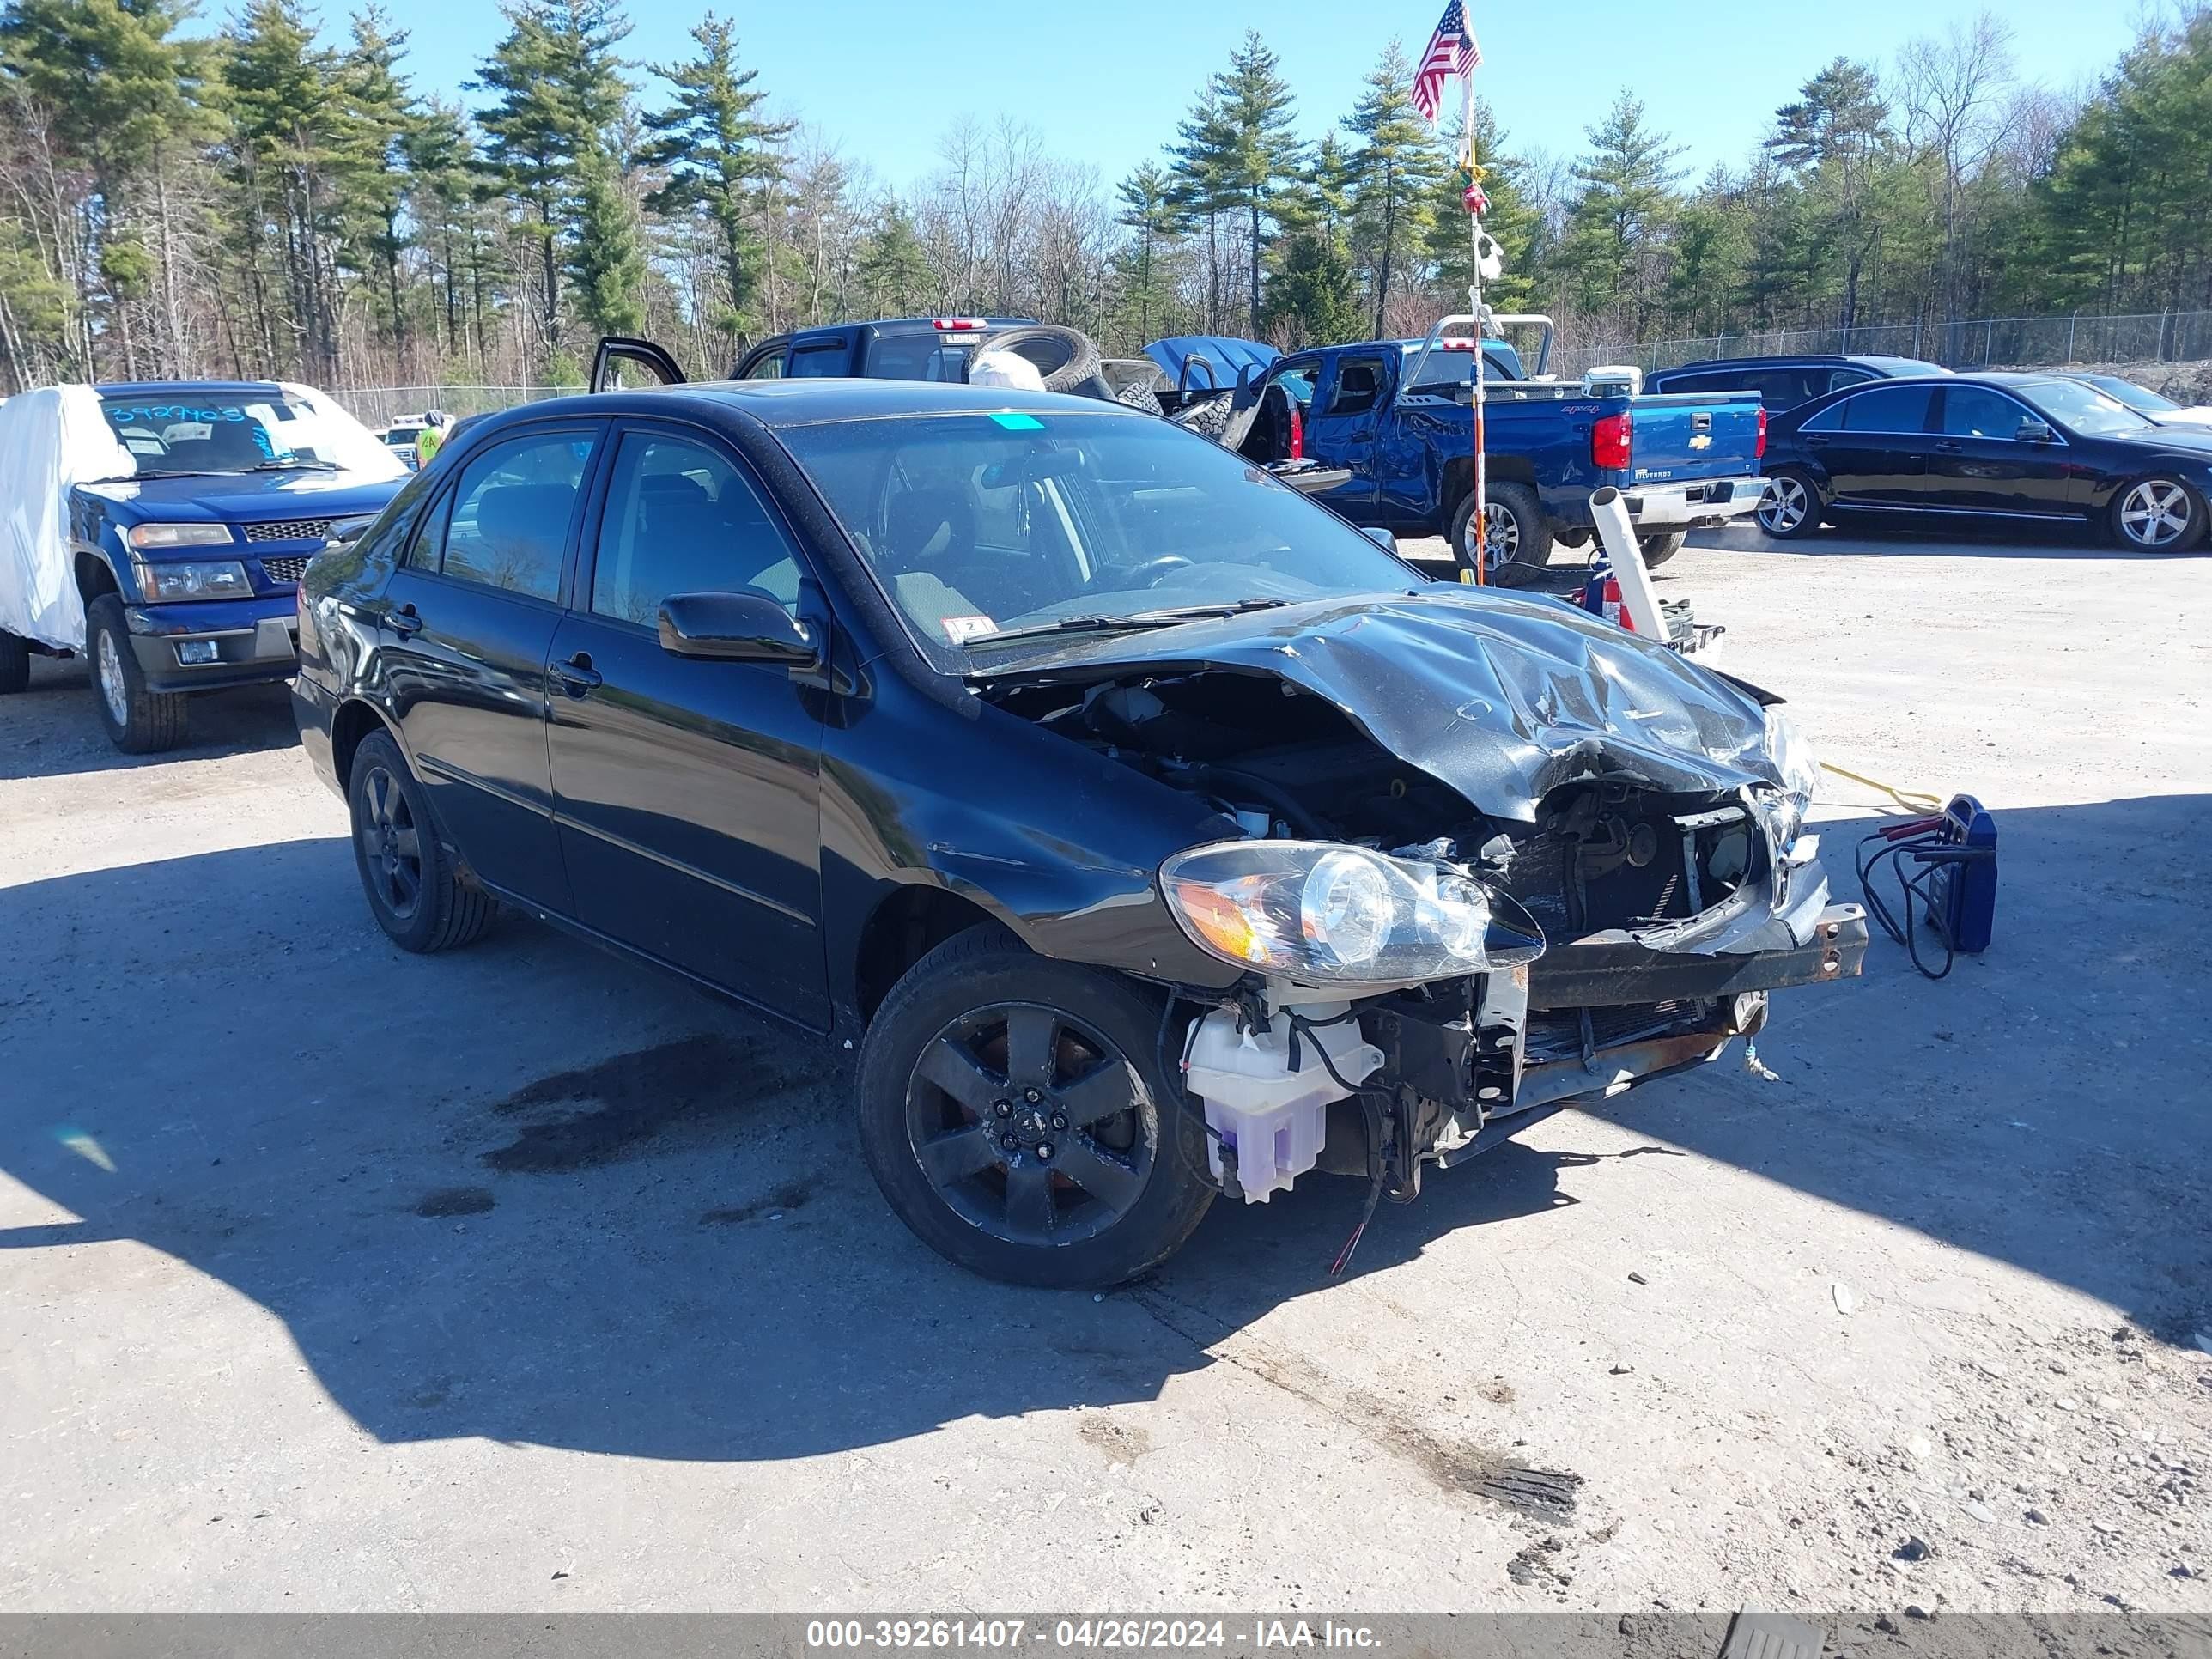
pixel 2085 409
pixel 251 431
pixel 982 526
pixel 2141 398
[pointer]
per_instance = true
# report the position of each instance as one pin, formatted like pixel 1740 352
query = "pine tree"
pixel 1394 173
pixel 1512 219
pixel 1313 298
pixel 893 269
pixel 1201 162
pixel 1254 105
pixel 380 119
pixel 1149 208
pixel 718 151
pixel 606 263
pixel 1832 135
pixel 1620 216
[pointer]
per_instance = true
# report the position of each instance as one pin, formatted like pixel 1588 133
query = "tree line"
pixel 257 202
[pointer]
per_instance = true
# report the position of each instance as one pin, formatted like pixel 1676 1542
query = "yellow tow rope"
pixel 1911 801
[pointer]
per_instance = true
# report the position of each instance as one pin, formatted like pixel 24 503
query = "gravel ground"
pixel 518 1280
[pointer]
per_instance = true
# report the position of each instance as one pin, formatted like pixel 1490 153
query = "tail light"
pixel 1758 449
pixel 1612 443
pixel 956 324
pixel 1297 432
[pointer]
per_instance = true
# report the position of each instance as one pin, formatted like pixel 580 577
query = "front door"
pixel 685 791
pixel 470 612
pixel 1981 464
pixel 1873 445
pixel 1340 427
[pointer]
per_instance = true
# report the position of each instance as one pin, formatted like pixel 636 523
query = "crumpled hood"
pixel 1504 698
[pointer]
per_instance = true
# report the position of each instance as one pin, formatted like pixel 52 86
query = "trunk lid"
pixel 1688 435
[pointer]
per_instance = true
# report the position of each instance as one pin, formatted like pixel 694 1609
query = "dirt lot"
pixel 518 1280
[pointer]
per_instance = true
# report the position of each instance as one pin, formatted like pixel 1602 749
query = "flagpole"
pixel 1474 304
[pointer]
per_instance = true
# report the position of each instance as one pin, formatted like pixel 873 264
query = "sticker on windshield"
pixel 1019 422
pixel 960 629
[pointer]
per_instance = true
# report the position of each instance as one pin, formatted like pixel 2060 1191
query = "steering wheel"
pixel 1152 570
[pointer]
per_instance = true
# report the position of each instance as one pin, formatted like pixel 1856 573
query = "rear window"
pixel 918 356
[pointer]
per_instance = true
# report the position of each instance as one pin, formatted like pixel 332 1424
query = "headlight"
pixel 1315 911
pixel 216 579
pixel 1799 768
pixel 181 535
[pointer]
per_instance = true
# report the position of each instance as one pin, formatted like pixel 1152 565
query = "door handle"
pixel 403 621
pixel 1947 447
pixel 577 676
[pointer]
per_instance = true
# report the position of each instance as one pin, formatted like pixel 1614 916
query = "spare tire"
pixel 1063 357
pixel 1207 415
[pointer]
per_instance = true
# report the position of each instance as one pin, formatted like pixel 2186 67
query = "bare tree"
pixel 1953 89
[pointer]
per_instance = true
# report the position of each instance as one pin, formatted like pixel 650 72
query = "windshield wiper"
pixel 294 464
pixel 1135 620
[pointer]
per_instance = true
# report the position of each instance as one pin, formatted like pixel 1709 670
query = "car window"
pixel 1838 378
pixel 916 355
pixel 682 518
pixel 769 368
pixel 1974 411
pixel 1886 408
pixel 507 523
pixel 822 360
pixel 1358 383
pixel 1781 388
pixel 2085 409
pixel 1708 382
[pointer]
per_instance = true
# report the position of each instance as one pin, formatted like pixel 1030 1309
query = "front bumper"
pixel 1699 504
pixel 255 641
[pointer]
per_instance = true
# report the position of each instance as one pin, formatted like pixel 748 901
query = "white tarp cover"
pixel 1006 369
pixel 58 437
pixel 50 440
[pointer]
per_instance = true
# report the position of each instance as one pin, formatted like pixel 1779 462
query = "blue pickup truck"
pixel 187 523
pixel 1398 416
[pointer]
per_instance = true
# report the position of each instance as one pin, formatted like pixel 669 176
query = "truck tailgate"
pixel 1693 434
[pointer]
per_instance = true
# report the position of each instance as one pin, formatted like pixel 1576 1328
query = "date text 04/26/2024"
pixel 1087 1635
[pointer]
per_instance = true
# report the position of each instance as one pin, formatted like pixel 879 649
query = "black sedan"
pixel 1992 447
pixel 1150 831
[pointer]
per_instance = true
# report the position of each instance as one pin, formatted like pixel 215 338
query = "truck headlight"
pixel 181 535
pixel 212 579
pixel 1318 911
pixel 1790 751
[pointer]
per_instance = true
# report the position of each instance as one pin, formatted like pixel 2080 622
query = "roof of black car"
pixel 1779 359
pixel 803 402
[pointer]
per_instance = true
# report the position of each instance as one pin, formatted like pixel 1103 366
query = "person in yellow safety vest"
pixel 433 435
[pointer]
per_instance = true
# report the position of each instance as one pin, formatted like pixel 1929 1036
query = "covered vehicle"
pixel 1151 832
pixel 2144 401
pixel 160 527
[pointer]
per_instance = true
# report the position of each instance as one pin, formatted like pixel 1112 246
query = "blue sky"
pixel 1104 84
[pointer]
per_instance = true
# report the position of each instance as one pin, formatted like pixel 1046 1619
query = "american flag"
pixel 1451 50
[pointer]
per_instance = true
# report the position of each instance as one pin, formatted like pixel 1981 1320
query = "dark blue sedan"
pixel 1988 447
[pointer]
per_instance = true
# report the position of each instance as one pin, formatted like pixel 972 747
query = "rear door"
pixel 1979 462
pixel 1874 446
pixel 686 791
pixel 473 608
pixel 1343 422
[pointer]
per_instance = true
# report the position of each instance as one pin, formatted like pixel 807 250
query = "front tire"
pixel 1790 509
pixel 138 721
pixel 15 664
pixel 2158 514
pixel 414 891
pixel 1013 1111
pixel 1520 539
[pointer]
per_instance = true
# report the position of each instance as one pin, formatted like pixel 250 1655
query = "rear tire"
pixel 1115 1189
pixel 413 890
pixel 138 721
pixel 1790 509
pixel 15 664
pixel 2158 514
pixel 1519 539
pixel 1657 549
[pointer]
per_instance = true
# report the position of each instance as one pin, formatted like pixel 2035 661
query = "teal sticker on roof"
pixel 1019 422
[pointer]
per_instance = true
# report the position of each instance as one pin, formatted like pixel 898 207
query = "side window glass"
pixel 681 518
pixel 511 510
pixel 1974 411
pixel 1844 376
pixel 1830 419
pixel 769 368
pixel 427 546
pixel 1901 409
pixel 819 362
pixel 1358 386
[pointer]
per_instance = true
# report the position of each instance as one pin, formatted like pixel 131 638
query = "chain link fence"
pixel 380 405
pixel 1984 342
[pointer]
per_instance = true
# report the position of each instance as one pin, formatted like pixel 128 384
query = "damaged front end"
pixel 1455 913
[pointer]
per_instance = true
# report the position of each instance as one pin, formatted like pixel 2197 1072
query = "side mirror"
pixel 2034 432
pixel 736 627
pixel 1381 538
pixel 344 530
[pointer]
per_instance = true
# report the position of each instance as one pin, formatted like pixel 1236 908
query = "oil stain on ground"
pixel 629 1099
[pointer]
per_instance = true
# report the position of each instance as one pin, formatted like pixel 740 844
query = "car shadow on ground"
pixel 532 1193
pixel 52 730
pixel 1965 540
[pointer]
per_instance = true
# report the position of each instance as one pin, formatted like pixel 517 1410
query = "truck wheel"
pixel 1063 357
pixel 15 664
pixel 414 891
pixel 1791 506
pixel 1520 540
pixel 1013 1110
pixel 1657 549
pixel 2158 515
pixel 138 721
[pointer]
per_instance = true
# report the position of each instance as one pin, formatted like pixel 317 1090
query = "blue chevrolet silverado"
pixel 187 560
pixel 1398 417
